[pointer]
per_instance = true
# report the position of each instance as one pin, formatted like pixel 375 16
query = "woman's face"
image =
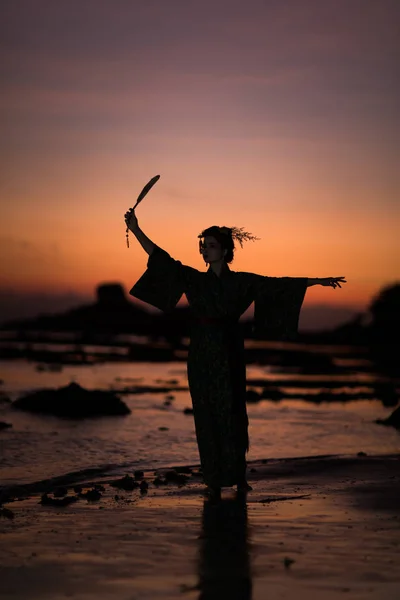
pixel 212 250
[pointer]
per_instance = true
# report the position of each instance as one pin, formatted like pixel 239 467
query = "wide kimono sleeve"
pixel 277 304
pixel 163 282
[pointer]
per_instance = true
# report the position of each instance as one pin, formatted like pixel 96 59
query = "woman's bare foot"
pixel 213 493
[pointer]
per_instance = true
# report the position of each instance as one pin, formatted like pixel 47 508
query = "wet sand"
pixel 323 527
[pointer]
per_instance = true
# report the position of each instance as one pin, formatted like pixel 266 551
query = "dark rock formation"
pixel 47 500
pixel 173 476
pixel 183 469
pixel 92 495
pixel 386 392
pixel 111 313
pixel 72 401
pixel 393 420
pixel 159 481
pixel 144 486
pixel 126 483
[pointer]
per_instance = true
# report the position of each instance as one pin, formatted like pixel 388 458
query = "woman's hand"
pixel 332 281
pixel 131 220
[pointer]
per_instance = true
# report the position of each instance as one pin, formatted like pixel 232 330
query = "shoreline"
pixel 256 469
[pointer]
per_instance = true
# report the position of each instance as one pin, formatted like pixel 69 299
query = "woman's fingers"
pixel 336 281
pixel 130 219
pixel 128 215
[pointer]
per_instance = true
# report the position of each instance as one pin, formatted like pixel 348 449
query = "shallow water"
pixel 40 447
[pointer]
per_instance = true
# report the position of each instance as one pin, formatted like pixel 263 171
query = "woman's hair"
pixel 226 236
pixel 223 235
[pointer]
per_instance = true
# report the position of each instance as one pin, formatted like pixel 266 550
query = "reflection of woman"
pixel 216 361
pixel 224 565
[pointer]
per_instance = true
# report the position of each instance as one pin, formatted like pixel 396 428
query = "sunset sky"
pixel 279 116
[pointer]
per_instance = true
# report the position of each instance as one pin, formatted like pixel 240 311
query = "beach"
pixel 114 507
pixel 322 526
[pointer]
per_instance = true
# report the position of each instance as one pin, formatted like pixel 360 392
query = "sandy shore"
pixel 323 527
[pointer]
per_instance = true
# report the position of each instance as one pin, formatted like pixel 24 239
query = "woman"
pixel 216 361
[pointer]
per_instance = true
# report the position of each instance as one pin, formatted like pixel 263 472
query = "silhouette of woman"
pixel 216 361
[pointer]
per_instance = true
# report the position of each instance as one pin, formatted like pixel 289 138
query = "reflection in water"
pixel 224 564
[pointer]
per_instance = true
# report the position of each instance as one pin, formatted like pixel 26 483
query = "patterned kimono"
pixel 216 361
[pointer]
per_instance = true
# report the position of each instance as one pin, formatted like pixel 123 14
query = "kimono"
pixel 216 365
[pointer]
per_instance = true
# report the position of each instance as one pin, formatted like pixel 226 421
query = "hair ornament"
pixel 238 234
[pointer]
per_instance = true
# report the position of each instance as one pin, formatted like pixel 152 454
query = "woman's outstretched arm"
pixel 133 225
pixel 329 281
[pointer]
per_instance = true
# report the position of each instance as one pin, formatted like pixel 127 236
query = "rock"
pixel 174 477
pixel 6 513
pixel 386 392
pixel 138 474
pixel 72 401
pixel 4 425
pixel 393 420
pixel 60 492
pixel 92 495
pixel 126 483
pixel 46 500
pixel 159 481
pixel 288 562
pixel 183 469
pixel 144 486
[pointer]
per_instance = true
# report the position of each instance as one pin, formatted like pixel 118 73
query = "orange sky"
pixel 267 116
